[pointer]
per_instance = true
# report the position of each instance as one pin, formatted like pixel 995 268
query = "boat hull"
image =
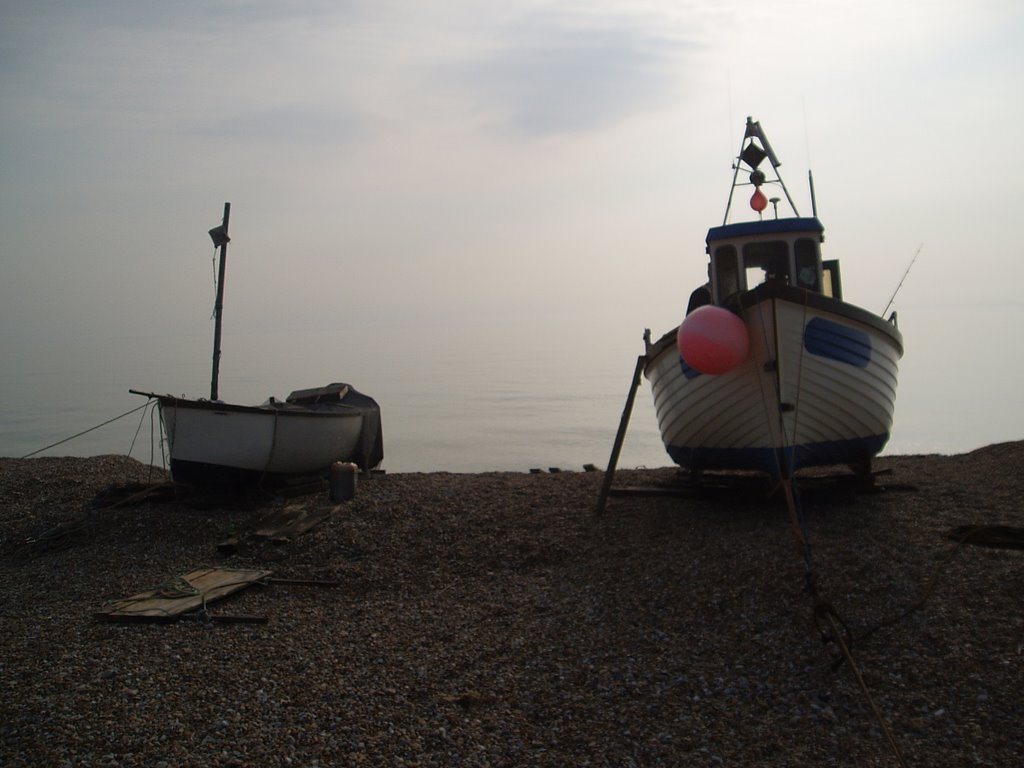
pixel 817 388
pixel 214 442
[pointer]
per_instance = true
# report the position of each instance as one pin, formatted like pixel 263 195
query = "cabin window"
pixel 727 272
pixel 807 264
pixel 764 261
pixel 833 284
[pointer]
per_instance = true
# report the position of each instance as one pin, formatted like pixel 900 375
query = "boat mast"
pixel 220 238
pixel 751 155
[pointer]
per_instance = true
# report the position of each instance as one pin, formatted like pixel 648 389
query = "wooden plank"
pixel 194 590
pixel 291 521
pixel 651 491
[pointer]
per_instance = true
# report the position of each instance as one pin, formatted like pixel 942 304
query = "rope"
pixel 800 369
pixel 152 434
pixel 264 474
pixel 213 264
pixel 771 354
pixel 997 536
pixel 827 612
pixel 792 491
pixel 138 429
pixel 797 527
pixel 86 431
pixel 135 497
pixel 152 450
pixel 161 439
pixel 823 610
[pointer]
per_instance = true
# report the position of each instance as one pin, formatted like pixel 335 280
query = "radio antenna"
pixel 893 297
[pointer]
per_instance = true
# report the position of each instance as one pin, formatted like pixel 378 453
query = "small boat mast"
pixel 752 153
pixel 220 238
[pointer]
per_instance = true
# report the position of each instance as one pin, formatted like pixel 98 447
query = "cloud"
pixel 308 125
pixel 556 73
pixel 170 67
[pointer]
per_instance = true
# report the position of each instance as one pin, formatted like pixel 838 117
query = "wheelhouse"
pixel 786 251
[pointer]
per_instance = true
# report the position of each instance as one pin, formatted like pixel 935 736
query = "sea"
pixel 458 398
pixel 451 399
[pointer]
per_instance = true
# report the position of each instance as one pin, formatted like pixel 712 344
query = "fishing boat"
pixel 771 369
pixel 216 443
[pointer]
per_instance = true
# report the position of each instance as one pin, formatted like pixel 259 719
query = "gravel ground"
pixel 492 620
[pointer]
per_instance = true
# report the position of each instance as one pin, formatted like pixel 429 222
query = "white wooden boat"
pixel 216 443
pixel 813 379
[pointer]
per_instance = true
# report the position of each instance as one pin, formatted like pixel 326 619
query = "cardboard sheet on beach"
pixel 170 600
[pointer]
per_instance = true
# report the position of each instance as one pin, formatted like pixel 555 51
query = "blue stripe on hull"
pixel 827 338
pixel 767 459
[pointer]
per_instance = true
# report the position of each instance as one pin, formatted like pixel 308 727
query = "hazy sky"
pixel 546 165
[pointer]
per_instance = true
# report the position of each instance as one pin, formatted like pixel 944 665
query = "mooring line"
pixel 87 431
pixel 824 610
pixel 829 613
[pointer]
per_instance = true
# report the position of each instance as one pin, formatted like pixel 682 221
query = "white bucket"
pixel 343 480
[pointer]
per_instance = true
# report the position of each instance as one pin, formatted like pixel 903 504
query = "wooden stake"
pixel 613 460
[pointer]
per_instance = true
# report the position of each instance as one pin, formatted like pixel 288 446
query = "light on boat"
pixel 219 235
pixel 712 340
pixel 758 201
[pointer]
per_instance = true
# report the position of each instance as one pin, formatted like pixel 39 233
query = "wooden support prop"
pixel 302 582
pixel 613 460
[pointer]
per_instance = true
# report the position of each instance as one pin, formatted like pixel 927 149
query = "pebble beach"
pixel 493 620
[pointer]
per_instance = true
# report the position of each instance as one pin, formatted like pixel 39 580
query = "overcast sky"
pixel 541 164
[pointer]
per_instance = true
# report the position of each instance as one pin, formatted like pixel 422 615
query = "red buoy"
pixel 712 340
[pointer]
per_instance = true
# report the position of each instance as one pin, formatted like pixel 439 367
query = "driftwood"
pixel 995 536
pixel 279 526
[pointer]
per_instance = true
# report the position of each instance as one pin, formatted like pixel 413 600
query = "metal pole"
pixel 735 175
pixel 814 202
pixel 218 308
